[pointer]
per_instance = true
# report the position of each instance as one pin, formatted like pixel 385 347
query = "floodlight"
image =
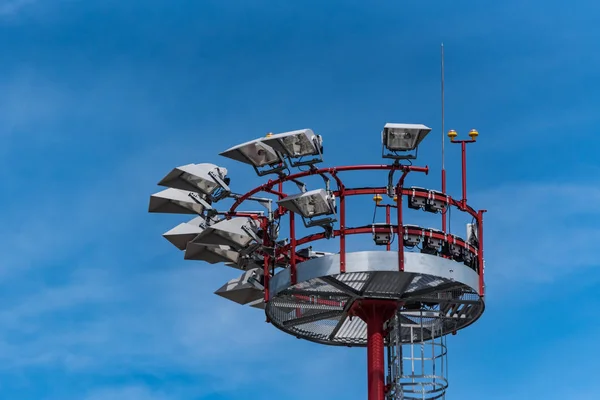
pixel 382 238
pixel 308 252
pixel 185 232
pixel 472 236
pixel 244 289
pixel 402 138
pixel 260 155
pixel 175 201
pixel 239 233
pixel 410 239
pixel 456 251
pixel 296 145
pixel 203 178
pixel 311 204
pixel 467 257
pixel 211 254
pixel 260 303
pixel 434 205
pixel 417 202
pixel 431 245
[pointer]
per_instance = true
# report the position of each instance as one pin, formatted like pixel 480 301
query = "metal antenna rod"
pixel 443 131
pixel 444 219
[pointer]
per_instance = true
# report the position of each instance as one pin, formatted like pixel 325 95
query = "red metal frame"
pixel 289 252
pixel 463 156
pixel 374 312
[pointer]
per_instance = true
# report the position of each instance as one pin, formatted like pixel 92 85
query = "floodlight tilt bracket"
pixel 224 187
pixel 271 168
pixel 196 197
pixel 395 156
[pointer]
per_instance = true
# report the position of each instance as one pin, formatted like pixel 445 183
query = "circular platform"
pixel 436 296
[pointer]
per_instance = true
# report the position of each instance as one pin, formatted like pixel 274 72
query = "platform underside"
pixel 438 300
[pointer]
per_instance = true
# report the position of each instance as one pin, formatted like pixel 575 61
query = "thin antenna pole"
pixel 443 131
pixel 444 219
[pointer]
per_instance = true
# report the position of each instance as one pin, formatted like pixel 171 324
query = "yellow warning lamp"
pixel 473 133
pixel 269 134
pixel 395 198
pixel 377 199
pixel 452 134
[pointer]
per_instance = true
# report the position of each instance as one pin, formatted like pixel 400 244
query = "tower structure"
pixel 398 299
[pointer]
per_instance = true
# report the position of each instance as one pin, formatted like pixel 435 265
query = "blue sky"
pixel 99 99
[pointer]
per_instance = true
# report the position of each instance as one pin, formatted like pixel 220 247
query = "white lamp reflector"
pixel 195 178
pixel 175 201
pixel 255 153
pixel 235 232
pixel 184 233
pixel 211 254
pixel 260 303
pixel 310 204
pixel 295 144
pixel 403 137
pixel 240 290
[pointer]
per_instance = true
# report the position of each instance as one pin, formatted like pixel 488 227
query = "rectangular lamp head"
pixel 403 137
pixel 260 155
pixel 244 289
pixel 201 178
pixel 310 204
pixel 175 201
pixel 297 144
pixel 239 233
pixel 211 254
pixel 184 233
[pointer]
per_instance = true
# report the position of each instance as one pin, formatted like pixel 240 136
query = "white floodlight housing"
pixel 415 202
pixel 239 233
pixel 184 233
pixel 260 303
pixel 472 235
pixel 434 205
pixel 308 252
pixel 247 288
pixel 212 254
pixel 175 201
pixel 398 139
pixel 260 155
pixel 311 204
pixel 203 178
pixel 410 239
pixel 298 144
pixel 382 238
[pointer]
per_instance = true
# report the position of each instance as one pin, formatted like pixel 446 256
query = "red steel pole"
pixel 266 270
pixel 480 258
pixel 375 357
pixel 342 231
pixel 444 191
pixel 375 313
pixel 292 248
pixel 388 221
pixel 463 145
pixel 400 230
